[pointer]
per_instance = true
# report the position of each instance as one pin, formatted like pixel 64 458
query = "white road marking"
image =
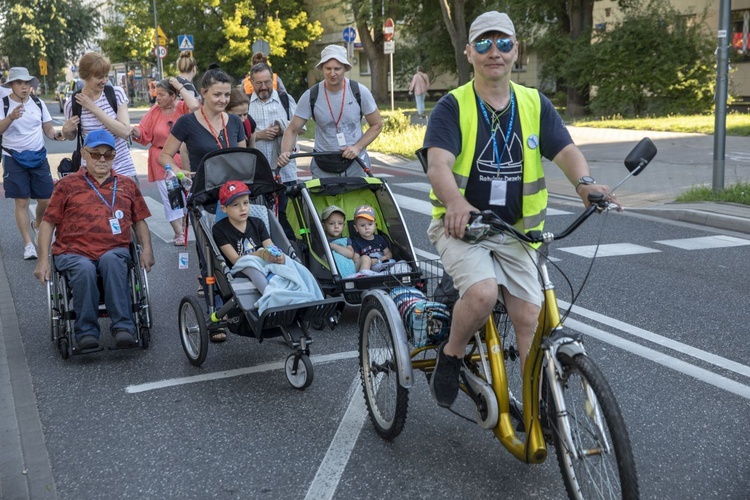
pixel 172 382
pixel 705 242
pixel 659 339
pixel 337 456
pixel 612 250
pixel 662 359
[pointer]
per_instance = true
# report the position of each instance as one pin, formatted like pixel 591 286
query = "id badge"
pixel 115 225
pixel 498 193
pixel 342 140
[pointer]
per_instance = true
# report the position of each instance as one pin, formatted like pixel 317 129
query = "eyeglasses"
pixel 267 83
pixel 504 45
pixel 109 155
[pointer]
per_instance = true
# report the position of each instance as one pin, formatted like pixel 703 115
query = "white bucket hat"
pixel 334 52
pixel 22 74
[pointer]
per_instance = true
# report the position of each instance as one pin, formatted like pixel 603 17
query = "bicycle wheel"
pixel 386 399
pixel 605 467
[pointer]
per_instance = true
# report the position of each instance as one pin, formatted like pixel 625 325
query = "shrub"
pixel 395 122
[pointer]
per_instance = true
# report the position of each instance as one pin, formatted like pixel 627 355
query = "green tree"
pixel 223 32
pixel 656 61
pixel 369 16
pixel 56 30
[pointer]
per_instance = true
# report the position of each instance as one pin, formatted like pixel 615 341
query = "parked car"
pixel 60 95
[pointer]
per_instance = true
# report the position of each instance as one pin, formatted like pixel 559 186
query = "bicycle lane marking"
pixel 655 338
pixel 279 365
pixel 662 359
pixel 337 456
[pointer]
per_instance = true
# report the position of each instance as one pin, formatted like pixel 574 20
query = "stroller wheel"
pixel 318 324
pixel 193 331
pixel 302 376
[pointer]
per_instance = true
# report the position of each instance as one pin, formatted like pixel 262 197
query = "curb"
pixel 701 217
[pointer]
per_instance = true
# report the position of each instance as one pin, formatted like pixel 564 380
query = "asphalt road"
pixel 665 316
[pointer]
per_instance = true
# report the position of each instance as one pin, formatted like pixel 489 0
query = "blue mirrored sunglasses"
pixel 504 45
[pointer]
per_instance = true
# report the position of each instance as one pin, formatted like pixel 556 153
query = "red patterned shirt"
pixel 83 218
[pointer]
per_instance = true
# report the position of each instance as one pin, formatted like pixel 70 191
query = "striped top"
pixel 123 164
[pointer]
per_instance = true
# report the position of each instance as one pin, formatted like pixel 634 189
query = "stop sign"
pixel 388 29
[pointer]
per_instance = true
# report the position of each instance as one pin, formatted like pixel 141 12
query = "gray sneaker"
pixel 29 252
pixel 124 339
pixel 444 379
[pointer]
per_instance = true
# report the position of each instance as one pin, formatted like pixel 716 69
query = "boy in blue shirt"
pixel 370 249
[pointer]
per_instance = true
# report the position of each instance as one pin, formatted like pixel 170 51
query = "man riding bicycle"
pixel 485 141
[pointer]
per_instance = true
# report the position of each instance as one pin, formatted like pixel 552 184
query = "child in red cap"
pixel 239 234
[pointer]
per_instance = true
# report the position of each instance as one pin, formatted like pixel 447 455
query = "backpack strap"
pixel 316 89
pixel 314 97
pixel 109 93
pixel 284 98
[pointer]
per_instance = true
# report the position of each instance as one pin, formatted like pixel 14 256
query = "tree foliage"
pixel 223 32
pixel 655 62
pixel 56 30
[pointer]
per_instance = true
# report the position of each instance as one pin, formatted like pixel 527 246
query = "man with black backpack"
pixel 337 105
pixel 272 110
pixel 24 122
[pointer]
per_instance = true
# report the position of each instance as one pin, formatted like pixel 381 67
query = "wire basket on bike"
pixel 424 303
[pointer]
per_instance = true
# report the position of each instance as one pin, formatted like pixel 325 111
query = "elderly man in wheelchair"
pixel 91 214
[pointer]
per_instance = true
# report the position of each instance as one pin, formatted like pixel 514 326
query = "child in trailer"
pixel 239 234
pixel 334 221
pixel 371 250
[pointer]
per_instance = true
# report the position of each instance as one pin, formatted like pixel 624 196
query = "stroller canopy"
pixel 246 165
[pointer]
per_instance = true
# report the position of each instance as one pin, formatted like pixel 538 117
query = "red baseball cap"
pixel 232 190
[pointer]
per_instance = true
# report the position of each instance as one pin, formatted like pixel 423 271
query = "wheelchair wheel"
pixel 302 377
pixel 63 347
pixel 193 331
pixel 54 320
pixel 386 399
pixel 145 334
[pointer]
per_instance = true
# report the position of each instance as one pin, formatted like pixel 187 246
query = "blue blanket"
pixel 291 283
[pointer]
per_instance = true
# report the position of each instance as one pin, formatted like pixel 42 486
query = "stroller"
pixel 239 314
pixel 307 200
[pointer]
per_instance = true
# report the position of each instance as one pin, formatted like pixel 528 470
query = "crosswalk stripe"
pixel 611 250
pixel 705 242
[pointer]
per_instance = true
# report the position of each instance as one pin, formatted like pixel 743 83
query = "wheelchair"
pixel 62 316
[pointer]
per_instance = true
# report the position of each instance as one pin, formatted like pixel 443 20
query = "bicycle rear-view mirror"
pixel 640 156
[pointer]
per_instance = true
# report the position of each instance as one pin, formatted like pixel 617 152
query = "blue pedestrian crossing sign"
pixel 349 34
pixel 185 42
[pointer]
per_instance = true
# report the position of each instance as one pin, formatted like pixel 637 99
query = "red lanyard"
pixel 213 132
pixel 341 111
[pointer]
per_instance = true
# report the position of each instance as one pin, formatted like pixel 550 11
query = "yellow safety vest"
pixel 534 200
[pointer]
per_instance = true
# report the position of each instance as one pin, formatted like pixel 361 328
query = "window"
pixel 740 50
pixel 364 65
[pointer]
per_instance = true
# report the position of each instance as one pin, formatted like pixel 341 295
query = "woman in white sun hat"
pixel 338 106
pixel 24 121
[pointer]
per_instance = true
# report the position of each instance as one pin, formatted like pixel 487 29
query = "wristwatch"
pixel 586 180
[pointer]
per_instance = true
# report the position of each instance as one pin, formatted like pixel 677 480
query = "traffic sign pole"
pixel 389 47
pixel 156 44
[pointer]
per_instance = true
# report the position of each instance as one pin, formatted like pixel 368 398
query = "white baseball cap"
pixel 489 22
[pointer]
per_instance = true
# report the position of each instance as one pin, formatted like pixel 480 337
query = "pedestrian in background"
pixel 420 84
pixel 272 118
pixel 24 121
pixel 155 127
pixel 102 106
pixel 187 67
pixel 337 110
pixel 239 104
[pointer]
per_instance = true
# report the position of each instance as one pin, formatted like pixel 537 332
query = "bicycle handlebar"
pixel 334 154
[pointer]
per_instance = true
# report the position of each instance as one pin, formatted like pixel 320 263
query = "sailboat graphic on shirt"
pixel 488 164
